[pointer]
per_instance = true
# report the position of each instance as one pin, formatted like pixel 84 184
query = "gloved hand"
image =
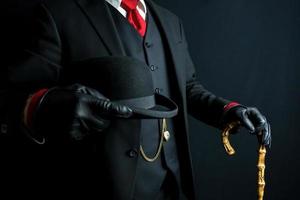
pixel 77 110
pixel 251 119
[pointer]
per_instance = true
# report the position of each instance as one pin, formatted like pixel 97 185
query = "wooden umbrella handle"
pixel 261 158
pixel 225 137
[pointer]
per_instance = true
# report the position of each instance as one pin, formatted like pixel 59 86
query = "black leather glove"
pixel 76 110
pixel 251 119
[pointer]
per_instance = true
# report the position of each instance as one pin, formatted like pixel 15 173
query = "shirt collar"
pixel 117 3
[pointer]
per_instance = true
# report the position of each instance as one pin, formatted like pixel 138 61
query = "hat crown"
pixel 117 78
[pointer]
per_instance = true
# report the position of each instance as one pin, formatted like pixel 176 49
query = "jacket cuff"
pixel 230 105
pixel 31 106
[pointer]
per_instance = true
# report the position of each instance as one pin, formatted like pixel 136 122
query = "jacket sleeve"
pixel 201 103
pixel 39 63
pixel 38 66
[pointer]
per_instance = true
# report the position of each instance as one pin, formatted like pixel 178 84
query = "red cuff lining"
pixel 230 105
pixel 34 101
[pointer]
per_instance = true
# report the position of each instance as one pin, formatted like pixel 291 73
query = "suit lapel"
pixel 99 16
pixel 166 26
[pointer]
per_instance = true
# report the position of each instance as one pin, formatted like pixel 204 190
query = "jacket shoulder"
pixel 164 11
pixel 57 4
pixel 60 9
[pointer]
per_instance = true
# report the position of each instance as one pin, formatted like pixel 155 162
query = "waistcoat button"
pixel 152 67
pixel 148 44
pixel 157 90
pixel 132 153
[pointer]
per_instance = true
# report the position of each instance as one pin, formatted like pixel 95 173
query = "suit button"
pixel 132 153
pixel 4 128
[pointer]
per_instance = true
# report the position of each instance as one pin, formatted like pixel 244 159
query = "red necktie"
pixel 133 16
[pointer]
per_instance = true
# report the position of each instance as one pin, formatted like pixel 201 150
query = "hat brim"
pixel 164 108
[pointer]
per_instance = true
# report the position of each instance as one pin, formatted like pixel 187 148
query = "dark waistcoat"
pixel 151 49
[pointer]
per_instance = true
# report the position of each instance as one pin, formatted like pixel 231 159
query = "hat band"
pixel 140 102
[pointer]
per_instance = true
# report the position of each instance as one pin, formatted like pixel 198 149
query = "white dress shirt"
pixel 141 7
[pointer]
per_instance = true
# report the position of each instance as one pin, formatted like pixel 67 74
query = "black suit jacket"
pixel 70 30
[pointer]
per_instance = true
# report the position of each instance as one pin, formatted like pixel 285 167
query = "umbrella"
pixel 261 158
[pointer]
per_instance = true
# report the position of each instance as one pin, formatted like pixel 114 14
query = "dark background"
pixel 244 50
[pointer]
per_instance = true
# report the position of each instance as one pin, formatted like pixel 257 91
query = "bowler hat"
pixel 123 80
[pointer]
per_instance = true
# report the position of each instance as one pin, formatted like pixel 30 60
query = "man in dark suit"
pixel 66 31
